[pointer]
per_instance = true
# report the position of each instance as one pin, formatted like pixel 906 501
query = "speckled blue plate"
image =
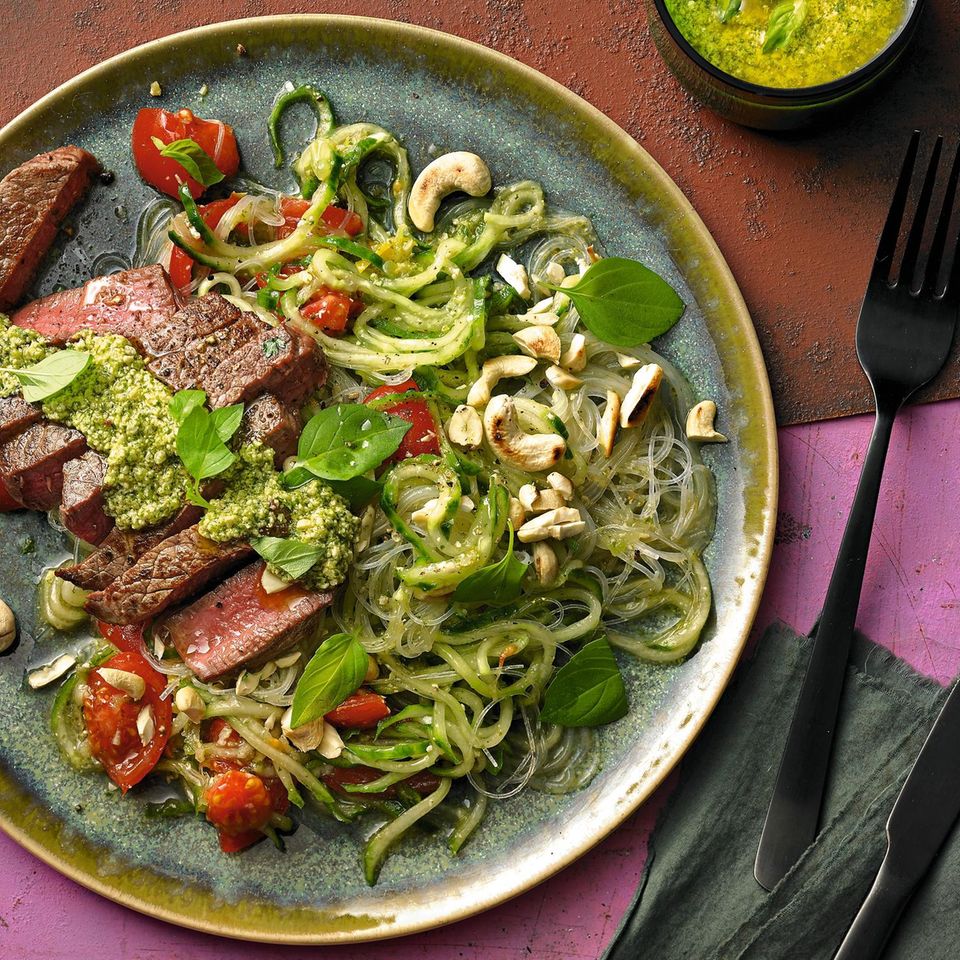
pixel 429 88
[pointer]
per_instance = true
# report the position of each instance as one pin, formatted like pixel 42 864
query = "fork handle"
pixel 876 919
pixel 794 812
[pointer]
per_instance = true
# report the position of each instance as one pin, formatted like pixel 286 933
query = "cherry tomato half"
pixel 181 263
pixel 334 218
pixel 240 804
pixel 165 173
pixel 123 638
pixel 422 435
pixel 360 710
pixel 111 715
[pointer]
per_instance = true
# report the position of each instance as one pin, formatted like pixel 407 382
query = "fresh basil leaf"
pixel 358 491
pixel 50 375
pixel 497 583
pixel 333 673
pixel 347 440
pixel 730 9
pixel 226 420
pixel 784 21
pixel 293 557
pixel 623 302
pixel 199 446
pixel 587 691
pixel 193 158
pixel 183 401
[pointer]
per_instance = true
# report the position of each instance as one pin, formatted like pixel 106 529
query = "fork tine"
pixel 911 251
pixel 891 229
pixel 938 247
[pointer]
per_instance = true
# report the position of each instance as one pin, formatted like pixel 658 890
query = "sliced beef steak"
pixel 137 304
pixel 34 199
pixel 16 415
pixel 31 463
pixel 238 625
pixel 235 356
pixel 272 423
pixel 174 570
pixel 82 507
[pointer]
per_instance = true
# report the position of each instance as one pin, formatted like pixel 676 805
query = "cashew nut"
pixel 554 524
pixel 636 404
pixel 493 371
pixel 315 735
pixel 562 379
pixel 561 483
pixel 554 272
pixel 517 513
pixel 628 362
pixel 548 500
pixel 271 583
pixel 132 684
pixel 189 702
pixel 51 671
pixel 527 494
pixel 542 312
pixel 575 357
pixel 531 452
pixel 465 428
pixel 545 562
pixel 8 627
pixel 700 423
pixel 145 725
pixel 448 173
pixel 539 341
pixel 607 429
pixel 515 274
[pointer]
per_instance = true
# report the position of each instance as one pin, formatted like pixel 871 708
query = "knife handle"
pixel 872 926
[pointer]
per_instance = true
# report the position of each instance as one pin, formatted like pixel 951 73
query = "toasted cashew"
pixel 554 524
pixel 554 272
pixel 529 451
pixel 517 513
pixel 132 684
pixel 316 735
pixel 575 357
pixel 465 428
pixel 51 671
pixel 8 627
pixel 453 171
pixel 700 423
pixel 515 274
pixel 539 341
pixel 628 362
pixel 636 404
pixel 562 379
pixel 189 702
pixel 607 429
pixel 527 494
pixel 145 725
pixel 493 371
pixel 561 483
pixel 545 562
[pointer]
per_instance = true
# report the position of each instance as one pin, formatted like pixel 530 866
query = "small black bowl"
pixel 772 108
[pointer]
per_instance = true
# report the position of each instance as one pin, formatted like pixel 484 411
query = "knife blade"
pixel 924 814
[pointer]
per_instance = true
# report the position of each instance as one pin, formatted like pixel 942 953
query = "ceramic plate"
pixel 430 89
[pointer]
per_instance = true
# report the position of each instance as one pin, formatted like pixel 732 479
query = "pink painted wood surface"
pixel 909 602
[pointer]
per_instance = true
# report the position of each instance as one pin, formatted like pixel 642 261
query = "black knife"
pixel 925 811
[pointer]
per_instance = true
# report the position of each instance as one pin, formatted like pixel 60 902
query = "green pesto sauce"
pixel 18 348
pixel 254 504
pixel 835 38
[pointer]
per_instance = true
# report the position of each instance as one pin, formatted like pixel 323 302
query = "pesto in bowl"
pixel 791 44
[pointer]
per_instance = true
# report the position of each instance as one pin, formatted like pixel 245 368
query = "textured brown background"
pixel 796 217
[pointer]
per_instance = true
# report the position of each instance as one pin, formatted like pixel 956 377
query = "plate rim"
pixel 53 856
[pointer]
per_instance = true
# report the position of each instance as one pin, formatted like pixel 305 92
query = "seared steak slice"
pixel 238 625
pixel 137 304
pixel 121 549
pixel 34 199
pixel 16 415
pixel 31 463
pixel 172 571
pixel 82 506
pixel 272 423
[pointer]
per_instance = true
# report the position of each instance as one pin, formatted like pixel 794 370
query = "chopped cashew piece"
pixel 607 428
pixel 515 274
pixel 554 272
pixel 8 627
pixel 700 423
pixel 495 370
pixel 132 684
pixel 575 356
pixel 145 725
pixel 562 379
pixel 547 319
pixel 548 500
pixel 52 671
pixel 540 341
pixel 465 428
pixel 517 513
pixel 561 483
pixel 271 583
pixel 553 525
pixel 155 89
pixel 307 736
pixel 189 702
pixel 636 404
pixel 531 452
pixel 628 362
pixel 452 171
pixel 526 495
pixel 544 562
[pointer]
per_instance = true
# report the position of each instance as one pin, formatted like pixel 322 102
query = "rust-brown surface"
pixel 795 217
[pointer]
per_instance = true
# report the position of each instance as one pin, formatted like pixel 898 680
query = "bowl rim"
pixel 832 89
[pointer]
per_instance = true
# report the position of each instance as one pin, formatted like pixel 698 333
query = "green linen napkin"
pixel 699 899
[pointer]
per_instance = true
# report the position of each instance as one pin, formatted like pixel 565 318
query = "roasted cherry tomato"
pixel 422 435
pixel 330 311
pixel 110 716
pixel 360 710
pixel 334 218
pixel 423 782
pixel 165 173
pixel 123 638
pixel 181 263
pixel 240 804
pixel 220 732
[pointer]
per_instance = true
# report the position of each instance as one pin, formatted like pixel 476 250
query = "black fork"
pixel 904 334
